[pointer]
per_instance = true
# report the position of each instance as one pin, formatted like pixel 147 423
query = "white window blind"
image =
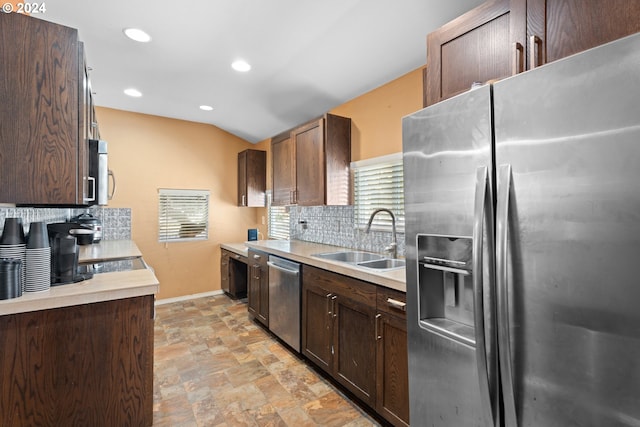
pixel 378 183
pixel 183 215
pixel 278 225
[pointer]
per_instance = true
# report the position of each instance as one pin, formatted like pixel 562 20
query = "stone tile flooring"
pixel 215 367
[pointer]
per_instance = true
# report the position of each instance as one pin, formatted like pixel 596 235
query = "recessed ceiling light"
pixel 137 35
pixel 241 65
pixel 133 92
pixel 206 107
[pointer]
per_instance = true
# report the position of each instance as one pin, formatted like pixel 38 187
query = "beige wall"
pixel 148 152
pixel 376 116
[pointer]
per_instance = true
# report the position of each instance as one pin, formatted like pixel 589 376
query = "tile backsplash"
pixel 116 222
pixel 334 225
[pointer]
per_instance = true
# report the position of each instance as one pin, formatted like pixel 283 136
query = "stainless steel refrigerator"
pixel 522 203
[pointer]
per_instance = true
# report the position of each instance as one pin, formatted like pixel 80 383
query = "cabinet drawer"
pixel 362 292
pixel 391 301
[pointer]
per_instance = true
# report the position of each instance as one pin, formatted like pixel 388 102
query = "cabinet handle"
pixel 328 297
pixel 256 256
pixel 333 306
pixel 113 181
pixel 92 180
pixel 378 335
pixel 535 58
pixel 243 203
pixel 518 58
pixel 399 305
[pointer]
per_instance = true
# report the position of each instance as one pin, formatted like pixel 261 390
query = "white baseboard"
pixel 188 297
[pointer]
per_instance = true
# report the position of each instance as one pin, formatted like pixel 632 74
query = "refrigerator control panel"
pixel 445 252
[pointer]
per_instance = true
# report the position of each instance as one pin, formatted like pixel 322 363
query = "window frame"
pixel 388 172
pixel 194 205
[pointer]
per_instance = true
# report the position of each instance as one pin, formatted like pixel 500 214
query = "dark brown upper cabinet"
pixel 483 44
pixel 501 38
pixel 311 164
pixel 252 178
pixel 559 28
pixel 45 114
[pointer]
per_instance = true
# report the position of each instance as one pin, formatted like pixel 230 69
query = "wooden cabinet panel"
pixel 89 365
pixel 252 178
pixel 258 286
pixel 41 160
pixel 317 322
pixel 311 164
pixel 504 37
pixel 338 329
pixel 565 27
pixel 357 333
pixel 283 157
pixel 392 357
pixel 355 344
pixel 483 44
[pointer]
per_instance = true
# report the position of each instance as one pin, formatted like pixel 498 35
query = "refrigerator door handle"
pixel 483 209
pixel 502 225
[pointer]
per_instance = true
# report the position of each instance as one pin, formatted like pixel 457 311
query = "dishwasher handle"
pixel 283 269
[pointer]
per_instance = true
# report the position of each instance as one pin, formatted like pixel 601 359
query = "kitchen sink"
pixel 363 259
pixel 352 257
pixel 383 264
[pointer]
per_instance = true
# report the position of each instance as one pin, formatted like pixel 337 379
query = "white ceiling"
pixel 307 56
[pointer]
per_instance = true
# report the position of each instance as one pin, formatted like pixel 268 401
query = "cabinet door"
pixel 263 312
pixel 252 178
pixel 224 270
pixel 253 291
pixel 317 323
pixel 355 347
pixel 310 166
pixel 392 369
pixel 242 178
pixel 559 28
pixel 39 118
pixel 485 43
pixel 284 171
pixel 392 356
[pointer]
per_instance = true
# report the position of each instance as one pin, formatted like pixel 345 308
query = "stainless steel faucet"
pixel 393 247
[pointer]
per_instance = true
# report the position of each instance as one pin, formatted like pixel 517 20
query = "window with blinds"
pixel 378 183
pixel 278 223
pixel 183 215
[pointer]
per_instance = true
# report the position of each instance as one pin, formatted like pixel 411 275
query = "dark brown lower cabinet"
pixel 85 365
pixel 392 365
pixel 258 286
pixel 362 346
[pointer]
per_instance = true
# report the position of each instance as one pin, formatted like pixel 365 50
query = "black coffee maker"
pixel 64 254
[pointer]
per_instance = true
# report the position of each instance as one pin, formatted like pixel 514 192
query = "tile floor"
pixel 215 367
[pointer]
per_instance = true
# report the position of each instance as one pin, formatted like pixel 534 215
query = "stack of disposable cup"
pixel 10 272
pixel 38 258
pixel 13 245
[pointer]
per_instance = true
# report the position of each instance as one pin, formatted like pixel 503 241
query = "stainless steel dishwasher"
pixel 284 300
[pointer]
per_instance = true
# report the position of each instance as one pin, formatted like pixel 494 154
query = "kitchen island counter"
pixel 82 353
pixel 102 287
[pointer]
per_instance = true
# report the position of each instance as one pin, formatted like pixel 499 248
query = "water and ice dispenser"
pixel 445 285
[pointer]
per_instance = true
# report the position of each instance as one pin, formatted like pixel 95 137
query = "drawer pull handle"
pixel 394 303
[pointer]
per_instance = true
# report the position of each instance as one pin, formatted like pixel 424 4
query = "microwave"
pixel 99 174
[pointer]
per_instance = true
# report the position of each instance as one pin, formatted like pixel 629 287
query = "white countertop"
pixel 300 251
pixel 108 250
pixel 238 248
pixel 102 287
